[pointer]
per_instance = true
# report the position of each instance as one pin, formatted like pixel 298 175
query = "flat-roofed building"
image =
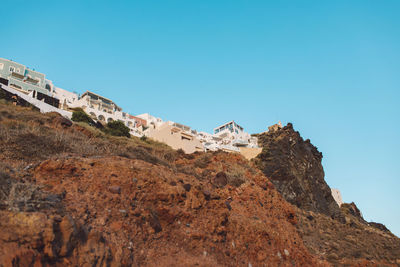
pixel 176 135
pixel 66 97
pixel 98 102
pixel 233 132
pixel 138 121
pixel 151 120
pixel 231 137
pixel 24 79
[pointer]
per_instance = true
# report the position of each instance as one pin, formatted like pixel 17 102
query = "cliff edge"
pixel 294 166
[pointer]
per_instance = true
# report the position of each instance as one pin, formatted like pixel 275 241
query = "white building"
pixel 337 196
pixel 102 109
pixel 228 137
pixel 233 137
pixel 152 121
pixel 66 98
pixel 209 141
pixel 233 132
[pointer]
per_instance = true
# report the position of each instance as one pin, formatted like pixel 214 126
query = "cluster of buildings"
pixel 229 137
pixel 34 88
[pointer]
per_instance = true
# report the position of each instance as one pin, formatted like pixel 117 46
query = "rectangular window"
pixel 1 66
pixel 12 69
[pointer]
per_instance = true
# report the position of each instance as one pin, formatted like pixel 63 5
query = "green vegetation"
pixel 117 128
pixel 80 115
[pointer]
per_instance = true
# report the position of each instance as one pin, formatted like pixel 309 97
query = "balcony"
pixel 17 76
pixel 32 81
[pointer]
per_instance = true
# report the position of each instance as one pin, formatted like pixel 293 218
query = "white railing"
pixel 42 106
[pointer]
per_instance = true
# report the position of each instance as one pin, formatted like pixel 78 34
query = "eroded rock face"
pixel 37 239
pixel 169 218
pixel 85 207
pixel 294 166
pixel 349 243
pixel 340 234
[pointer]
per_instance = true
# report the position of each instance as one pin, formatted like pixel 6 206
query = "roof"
pixel 227 124
pixel 90 92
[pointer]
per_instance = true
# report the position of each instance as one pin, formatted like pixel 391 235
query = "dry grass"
pixel 203 161
pixel 236 175
pixel 30 136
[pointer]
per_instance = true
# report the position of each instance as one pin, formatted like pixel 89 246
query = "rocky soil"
pixel 294 166
pixel 72 196
pixel 339 235
pixel 151 215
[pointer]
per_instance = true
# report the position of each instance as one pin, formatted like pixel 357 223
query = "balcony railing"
pixel 17 76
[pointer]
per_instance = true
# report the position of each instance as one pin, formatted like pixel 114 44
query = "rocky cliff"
pixel 339 235
pixel 294 166
pixel 73 196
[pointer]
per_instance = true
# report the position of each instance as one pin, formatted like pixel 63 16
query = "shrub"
pixel 202 161
pixel 80 115
pixel 2 94
pixel 236 176
pixel 117 128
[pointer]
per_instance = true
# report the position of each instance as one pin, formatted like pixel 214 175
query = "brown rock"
pixel 207 194
pixel 115 189
pixel 187 187
pixel 220 179
pixel 34 239
pixel 294 167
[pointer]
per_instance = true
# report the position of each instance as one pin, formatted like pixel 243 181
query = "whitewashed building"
pixel 66 97
pixel 337 196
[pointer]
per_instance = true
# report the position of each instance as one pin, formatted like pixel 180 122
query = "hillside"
pixel 338 235
pixel 72 195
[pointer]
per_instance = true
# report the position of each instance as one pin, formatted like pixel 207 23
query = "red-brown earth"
pixel 70 195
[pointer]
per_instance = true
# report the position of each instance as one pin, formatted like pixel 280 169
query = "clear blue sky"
pixel 332 68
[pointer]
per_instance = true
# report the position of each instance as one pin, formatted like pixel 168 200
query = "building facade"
pixel 151 120
pixel 66 97
pixel 23 79
pixel 228 137
pixel 176 135
pixel 101 109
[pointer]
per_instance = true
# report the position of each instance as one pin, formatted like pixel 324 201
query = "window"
pixel 185 138
pixel 18 71
pixel 1 66
pixel 12 69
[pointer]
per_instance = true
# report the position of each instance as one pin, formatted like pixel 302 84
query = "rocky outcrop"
pixel 37 239
pixel 341 235
pixel 352 209
pixel 294 166
pixel 69 197
pixel 222 213
pixel 348 243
